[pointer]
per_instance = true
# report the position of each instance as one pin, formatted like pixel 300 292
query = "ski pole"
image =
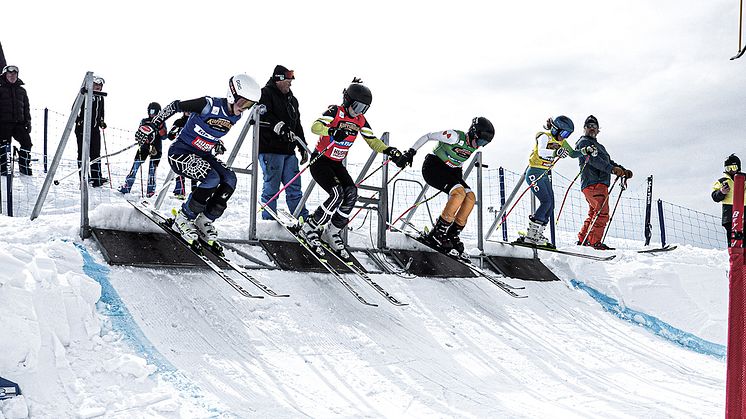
pixel 531 185
pixel 593 223
pixel 106 154
pixel 570 186
pixel 623 186
pixel 375 194
pixel 313 160
pixel 57 181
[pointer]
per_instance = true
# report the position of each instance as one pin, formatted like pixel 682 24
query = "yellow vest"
pixel 534 160
pixel 729 196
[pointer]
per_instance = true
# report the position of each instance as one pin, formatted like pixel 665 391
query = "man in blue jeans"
pixel 280 135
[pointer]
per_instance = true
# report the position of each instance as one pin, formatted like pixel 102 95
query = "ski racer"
pixel 191 154
pixel 337 129
pixel 442 169
pixel 549 146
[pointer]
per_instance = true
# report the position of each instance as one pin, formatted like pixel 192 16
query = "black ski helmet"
pixel 481 131
pixel 733 159
pixel 357 92
pixel 154 108
pixel 562 126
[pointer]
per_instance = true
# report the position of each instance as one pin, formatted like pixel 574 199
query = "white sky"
pixel 656 74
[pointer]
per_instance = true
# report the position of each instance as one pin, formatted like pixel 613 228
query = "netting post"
pixel 735 371
pixel 661 223
pixel 648 210
pixel 501 171
pixel 46 132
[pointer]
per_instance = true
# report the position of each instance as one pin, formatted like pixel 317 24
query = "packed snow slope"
pixel 84 339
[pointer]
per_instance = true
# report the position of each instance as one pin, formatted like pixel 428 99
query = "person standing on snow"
pixel 337 129
pixel 722 191
pixel 153 150
pixel 281 134
pixel 15 120
pixel 97 123
pixel 191 154
pixel 595 180
pixel 550 146
pixel 442 169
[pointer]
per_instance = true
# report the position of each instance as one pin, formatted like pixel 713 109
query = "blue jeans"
pixel 280 168
pixel 542 189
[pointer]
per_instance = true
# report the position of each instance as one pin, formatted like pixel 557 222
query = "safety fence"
pixel 669 223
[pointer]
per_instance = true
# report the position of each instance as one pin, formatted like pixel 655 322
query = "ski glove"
pixel 282 130
pixel 219 148
pixel 393 153
pixel 628 174
pixel 618 170
pixel 145 134
pixel 340 134
pixel 303 155
pixel 405 159
pixel 589 150
pixel 562 152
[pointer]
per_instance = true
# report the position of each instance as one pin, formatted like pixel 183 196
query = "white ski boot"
pixel 333 238
pixel 185 227
pixel 534 234
pixel 205 229
pixel 309 232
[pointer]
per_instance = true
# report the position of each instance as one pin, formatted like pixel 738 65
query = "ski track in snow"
pixel 462 348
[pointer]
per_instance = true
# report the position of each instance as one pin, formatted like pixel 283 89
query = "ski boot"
pixel 309 232
pixel 438 236
pixel 186 228
pixel 332 237
pixel 454 240
pixel 208 233
pixel 534 235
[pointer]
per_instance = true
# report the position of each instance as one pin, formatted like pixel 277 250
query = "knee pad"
pixel 466 207
pixel 455 199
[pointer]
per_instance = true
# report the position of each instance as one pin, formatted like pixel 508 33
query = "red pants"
pixel 598 201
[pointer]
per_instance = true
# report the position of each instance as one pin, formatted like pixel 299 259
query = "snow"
pixel 611 339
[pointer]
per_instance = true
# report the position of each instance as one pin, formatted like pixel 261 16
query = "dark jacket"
pixel 598 169
pixel 14 106
pixel 97 113
pixel 280 107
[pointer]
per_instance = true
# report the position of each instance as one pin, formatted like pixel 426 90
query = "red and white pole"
pixel 735 382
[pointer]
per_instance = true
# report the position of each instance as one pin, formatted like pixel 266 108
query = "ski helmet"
pixel 481 131
pixel 733 160
pixel 562 126
pixel 154 108
pixel 243 86
pixel 356 98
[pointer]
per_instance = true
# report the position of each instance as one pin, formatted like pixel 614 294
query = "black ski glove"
pixel 145 134
pixel 219 148
pixel 340 134
pixel 405 159
pixel 393 153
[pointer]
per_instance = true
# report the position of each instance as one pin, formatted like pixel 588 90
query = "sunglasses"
pixel 591 125
pixel 731 168
pixel 98 80
pixel 11 69
pixel 359 108
pixel 289 75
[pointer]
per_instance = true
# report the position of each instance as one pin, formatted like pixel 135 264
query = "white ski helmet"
pixel 242 85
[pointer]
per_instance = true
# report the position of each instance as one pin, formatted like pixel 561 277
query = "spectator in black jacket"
pixel 97 121
pixel 15 120
pixel 280 134
pixel 722 191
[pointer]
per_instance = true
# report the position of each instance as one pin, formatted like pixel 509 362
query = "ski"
pixel 564 252
pixel 665 248
pixel 507 288
pixel 160 220
pixel 320 259
pixel 354 268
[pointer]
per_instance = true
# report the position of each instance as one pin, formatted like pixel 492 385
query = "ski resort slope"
pixel 84 339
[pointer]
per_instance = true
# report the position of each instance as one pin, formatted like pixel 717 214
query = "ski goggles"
pixel 481 142
pixel 98 80
pixel 244 103
pixel 565 133
pixel 731 168
pixel 10 69
pixel 358 108
pixel 288 75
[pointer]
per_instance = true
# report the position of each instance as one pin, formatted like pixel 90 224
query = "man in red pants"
pixel 595 180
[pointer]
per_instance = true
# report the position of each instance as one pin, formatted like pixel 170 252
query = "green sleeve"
pixel 573 153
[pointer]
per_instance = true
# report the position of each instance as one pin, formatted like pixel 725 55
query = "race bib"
pixel 339 153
